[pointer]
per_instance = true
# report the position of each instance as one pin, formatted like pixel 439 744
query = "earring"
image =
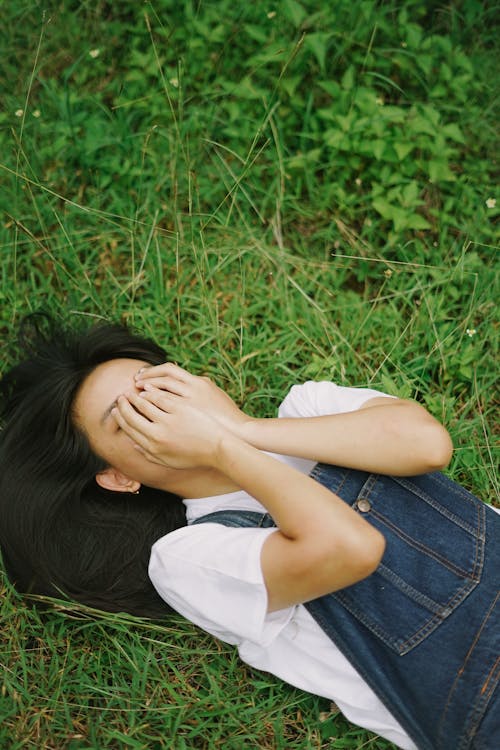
pixel 136 492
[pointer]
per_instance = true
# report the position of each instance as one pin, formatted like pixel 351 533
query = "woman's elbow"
pixel 438 448
pixel 366 553
pixel 432 442
pixel 373 551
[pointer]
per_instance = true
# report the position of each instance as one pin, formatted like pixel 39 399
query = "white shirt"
pixel 211 574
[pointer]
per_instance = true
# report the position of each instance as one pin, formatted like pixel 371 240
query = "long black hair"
pixel 61 534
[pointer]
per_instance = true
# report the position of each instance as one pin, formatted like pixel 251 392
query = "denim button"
pixel 363 505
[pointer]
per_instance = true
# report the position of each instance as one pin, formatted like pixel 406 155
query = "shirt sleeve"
pixel 211 574
pixel 317 399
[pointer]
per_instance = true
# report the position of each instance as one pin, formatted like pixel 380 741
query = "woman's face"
pixel 92 412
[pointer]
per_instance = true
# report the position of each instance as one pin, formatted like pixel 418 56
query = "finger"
pixel 162 403
pixel 149 407
pixel 165 383
pixel 147 455
pixel 125 417
pixel 167 369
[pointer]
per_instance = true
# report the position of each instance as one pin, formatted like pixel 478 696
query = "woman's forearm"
pixel 389 437
pixel 323 544
pixel 386 435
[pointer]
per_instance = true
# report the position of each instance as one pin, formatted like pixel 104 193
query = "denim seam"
pixel 439 508
pixel 457 679
pixel 398 645
pixel 442 610
pixel 319 471
pixel 482 704
pixel 429 552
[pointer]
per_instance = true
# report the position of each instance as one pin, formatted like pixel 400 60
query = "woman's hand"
pixel 168 429
pixel 198 391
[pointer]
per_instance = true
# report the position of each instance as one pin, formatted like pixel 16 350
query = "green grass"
pixel 276 192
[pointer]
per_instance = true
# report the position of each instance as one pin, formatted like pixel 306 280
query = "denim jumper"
pixel 423 630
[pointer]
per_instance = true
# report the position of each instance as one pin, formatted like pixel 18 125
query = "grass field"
pixel 276 192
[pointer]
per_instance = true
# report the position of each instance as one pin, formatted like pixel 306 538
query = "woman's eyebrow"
pixel 112 406
pixel 108 412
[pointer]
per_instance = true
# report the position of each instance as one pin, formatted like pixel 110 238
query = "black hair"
pixel 62 535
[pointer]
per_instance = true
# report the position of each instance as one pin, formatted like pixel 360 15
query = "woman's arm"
pixel 321 544
pixel 386 435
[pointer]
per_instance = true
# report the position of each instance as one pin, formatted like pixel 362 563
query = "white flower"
pixel 175 82
pixel 19 112
pixel 271 14
pixel 491 203
pixel 471 332
pixel 94 53
pixel 358 181
pixel 36 113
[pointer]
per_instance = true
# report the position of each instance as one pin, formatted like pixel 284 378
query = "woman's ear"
pixel 112 479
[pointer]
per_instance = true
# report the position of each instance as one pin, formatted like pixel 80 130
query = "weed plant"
pixel 277 192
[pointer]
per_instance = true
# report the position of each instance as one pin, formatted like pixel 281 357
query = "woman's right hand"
pixel 198 391
pixel 169 429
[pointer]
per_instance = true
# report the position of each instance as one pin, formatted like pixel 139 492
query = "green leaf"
pixel 413 35
pixel 410 193
pixel 378 147
pixel 336 139
pixel 294 12
pixel 348 78
pixel 430 113
pixel 331 87
pixel 384 208
pixel 256 32
pixel 317 43
pixel 438 91
pixel 419 124
pixel 326 114
pixel 400 219
pixel 273 53
pixel 393 114
pixel 345 122
pixel 439 171
pixel 445 72
pixel 400 388
pixel 402 149
pixel 416 221
pixel 425 62
pixel 453 132
pixel 289 84
pixel 302 161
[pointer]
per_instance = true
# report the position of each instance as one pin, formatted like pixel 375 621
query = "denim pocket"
pixel 434 531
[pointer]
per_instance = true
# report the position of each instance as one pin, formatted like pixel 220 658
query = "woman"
pixel 100 442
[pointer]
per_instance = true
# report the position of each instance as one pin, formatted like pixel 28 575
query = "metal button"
pixel 364 505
